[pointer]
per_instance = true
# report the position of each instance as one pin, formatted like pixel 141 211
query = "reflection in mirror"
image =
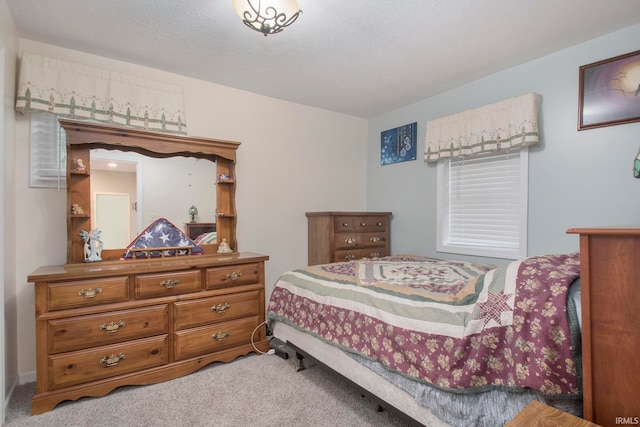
pixel 129 191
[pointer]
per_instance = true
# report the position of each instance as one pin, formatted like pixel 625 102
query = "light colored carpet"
pixel 250 391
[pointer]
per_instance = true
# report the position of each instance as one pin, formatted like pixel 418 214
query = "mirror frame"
pixel 82 136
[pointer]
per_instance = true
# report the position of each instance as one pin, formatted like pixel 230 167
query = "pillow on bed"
pixel 207 238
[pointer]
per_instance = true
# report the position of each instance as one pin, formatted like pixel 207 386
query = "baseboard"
pixel 29 377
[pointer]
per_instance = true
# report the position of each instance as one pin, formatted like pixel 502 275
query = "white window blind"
pixel 482 205
pixel 48 152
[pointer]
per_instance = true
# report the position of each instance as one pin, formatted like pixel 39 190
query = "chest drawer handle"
pixel 379 224
pixel 375 254
pixel 90 293
pixel 169 284
pixel 375 239
pixel 363 224
pixel 112 327
pixel 220 308
pixel 350 241
pixel 221 336
pixel 112 360
pixel 234 275
pixel 345 224
pixel 350 257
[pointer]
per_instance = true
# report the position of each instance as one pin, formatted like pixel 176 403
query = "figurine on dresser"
pixel 92 245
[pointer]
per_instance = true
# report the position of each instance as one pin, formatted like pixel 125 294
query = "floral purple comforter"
pixel 461 327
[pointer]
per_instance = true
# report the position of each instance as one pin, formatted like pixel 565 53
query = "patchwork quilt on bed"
pixel 459 326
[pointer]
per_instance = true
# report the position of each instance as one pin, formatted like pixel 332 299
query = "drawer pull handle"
pixel 234 275
pixel 112 327
pixel 221 336
pixel 169 284
pixel 375 254
pixel 220 308
pixel 375 239
pixel 90 293
pixel 350 257
pixel 379 224
pixel 345 224
pixel 363 224
pixel 350 241
pixel 112 360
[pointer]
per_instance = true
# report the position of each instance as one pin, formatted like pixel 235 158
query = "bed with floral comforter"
pixel 456 326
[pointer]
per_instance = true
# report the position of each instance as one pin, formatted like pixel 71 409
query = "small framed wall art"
pixel 398 144
pixel 610 92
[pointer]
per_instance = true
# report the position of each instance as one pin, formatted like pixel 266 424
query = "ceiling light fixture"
pixel 267 16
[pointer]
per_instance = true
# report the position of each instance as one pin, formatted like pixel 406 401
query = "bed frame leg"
pixel 300 366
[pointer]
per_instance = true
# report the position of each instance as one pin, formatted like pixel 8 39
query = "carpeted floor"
pixel 250 391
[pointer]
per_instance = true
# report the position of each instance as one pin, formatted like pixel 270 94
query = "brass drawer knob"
pixel 375 254
pixel 169 284
pixel 90 293
pixel 221 336
pixel 234 275
pixel 350 241
pixel 112 360
pixel 375 239
pixel 220 308
pixel 363 224
pixel 112 327
pixel 350 257
pixel 379 224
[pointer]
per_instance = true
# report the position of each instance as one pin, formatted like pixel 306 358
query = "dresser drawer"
pixel 356 254
pixel 82 293
pixel 370 223
pixel 166 284
pixel 243 274
pixel 82 366
pixel 375 252
pixel 350 255
pixel 374 240
pixel 347 241
pixel 101 329
pixel 212 338
pixel 189 314
pixel 343 223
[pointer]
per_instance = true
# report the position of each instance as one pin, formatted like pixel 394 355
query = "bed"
pixel 441 342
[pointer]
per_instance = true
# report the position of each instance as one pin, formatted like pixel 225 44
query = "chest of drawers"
pixel 347 236
pixel 609 272
pixel 104 325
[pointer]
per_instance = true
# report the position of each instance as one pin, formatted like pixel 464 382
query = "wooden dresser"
pixel 345 236
pixel 104 325
pixel 610 276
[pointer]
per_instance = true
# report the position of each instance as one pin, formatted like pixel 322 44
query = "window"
pixel 482 205
pixel 48 152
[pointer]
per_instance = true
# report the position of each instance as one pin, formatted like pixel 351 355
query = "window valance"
pixel 83 92
pixel 507 124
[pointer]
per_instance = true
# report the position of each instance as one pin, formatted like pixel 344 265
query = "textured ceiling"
pixel 359 57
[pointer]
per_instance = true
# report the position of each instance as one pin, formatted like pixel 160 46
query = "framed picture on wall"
pixel 610 92
pixel 398 144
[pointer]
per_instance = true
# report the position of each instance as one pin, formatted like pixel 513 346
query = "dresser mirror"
pixel 164 175
pixel 128 192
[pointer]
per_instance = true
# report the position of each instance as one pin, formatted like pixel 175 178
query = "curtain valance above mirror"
pixel 511 123
pixel 79 91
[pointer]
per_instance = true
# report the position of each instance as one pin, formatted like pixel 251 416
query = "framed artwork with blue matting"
pixel 398 145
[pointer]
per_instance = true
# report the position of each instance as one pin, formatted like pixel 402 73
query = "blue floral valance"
pixel 507 124
pixel 82 92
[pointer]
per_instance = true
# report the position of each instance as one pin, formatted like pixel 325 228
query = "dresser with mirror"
pixel 144 319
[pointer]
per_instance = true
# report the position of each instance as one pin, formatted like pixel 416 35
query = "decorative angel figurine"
pixel 92 245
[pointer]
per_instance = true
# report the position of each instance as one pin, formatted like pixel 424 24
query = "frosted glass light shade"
pixel 267 16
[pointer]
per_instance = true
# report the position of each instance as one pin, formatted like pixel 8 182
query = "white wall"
pixel 576 179
pixel 8 307
pixel 292 159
